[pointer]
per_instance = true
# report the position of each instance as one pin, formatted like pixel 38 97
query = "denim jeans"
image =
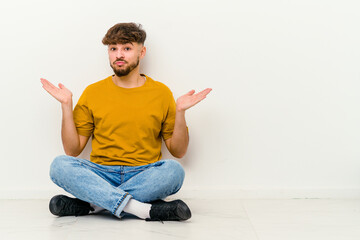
pixel 111 187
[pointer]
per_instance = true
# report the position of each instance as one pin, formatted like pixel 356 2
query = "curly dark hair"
pixel 124 33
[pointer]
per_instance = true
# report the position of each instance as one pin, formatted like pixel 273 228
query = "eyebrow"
pixel 112 45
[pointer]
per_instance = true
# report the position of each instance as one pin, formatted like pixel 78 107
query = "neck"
pixel 132 80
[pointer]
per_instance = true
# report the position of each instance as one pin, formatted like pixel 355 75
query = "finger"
pixel 49 90
pixel 206 91
pixel 47 83
pixel 203 93
pixel 49 87
pixel 43 80
pixel 191 92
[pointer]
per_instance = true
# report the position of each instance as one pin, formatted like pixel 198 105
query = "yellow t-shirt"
pixel 126 124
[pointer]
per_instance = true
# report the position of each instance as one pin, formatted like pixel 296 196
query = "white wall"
pixel 283 117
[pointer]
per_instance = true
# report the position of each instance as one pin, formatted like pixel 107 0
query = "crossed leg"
pixel 97 184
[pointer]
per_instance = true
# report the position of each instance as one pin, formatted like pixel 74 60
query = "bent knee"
pixel 58 166
pixel 175 172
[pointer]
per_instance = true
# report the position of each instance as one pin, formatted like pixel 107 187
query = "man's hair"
pixel 124 33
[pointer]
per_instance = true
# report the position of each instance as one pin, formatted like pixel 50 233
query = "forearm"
pixel 69 135
pixel 180 137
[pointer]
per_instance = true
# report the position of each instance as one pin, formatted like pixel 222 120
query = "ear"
pixel 143 52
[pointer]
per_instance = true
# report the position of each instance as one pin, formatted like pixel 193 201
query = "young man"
pixel 127 115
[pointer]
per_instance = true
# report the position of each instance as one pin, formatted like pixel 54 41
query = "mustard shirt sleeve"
pixel 83 118
pixel 169 122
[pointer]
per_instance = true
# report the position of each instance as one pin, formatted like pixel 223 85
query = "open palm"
pixel 190 99
pixel 62 94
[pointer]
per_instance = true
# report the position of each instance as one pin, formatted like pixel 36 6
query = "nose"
pixel 119 54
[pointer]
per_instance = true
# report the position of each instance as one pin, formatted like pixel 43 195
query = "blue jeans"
pixel 111 187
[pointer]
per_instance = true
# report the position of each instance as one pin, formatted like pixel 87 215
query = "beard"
pixel 127 70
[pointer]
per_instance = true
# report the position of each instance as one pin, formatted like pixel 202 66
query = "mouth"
pixel 120 63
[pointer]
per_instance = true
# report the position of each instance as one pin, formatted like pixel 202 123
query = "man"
pixel 127 115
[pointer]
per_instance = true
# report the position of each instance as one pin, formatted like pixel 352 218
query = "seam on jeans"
pixel 96 167
pixel 136 170
pixel 83 163
pixel 145 167
pixel 121 201
pixel 100 175
pixel 121 178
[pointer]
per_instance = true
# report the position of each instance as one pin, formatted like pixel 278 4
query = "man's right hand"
pixel 62 94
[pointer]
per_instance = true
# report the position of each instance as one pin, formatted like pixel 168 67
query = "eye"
pixel 127 49
pixel 112 49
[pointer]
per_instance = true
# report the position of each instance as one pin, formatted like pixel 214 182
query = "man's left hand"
pixel 190 99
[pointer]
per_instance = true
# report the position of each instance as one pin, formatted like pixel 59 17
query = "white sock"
pixel 97 209
pixel 139 209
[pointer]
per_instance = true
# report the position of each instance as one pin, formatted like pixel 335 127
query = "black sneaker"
pixel 61 205
pixel 175 210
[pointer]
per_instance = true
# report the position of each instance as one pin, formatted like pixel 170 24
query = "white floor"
pixel 212 219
